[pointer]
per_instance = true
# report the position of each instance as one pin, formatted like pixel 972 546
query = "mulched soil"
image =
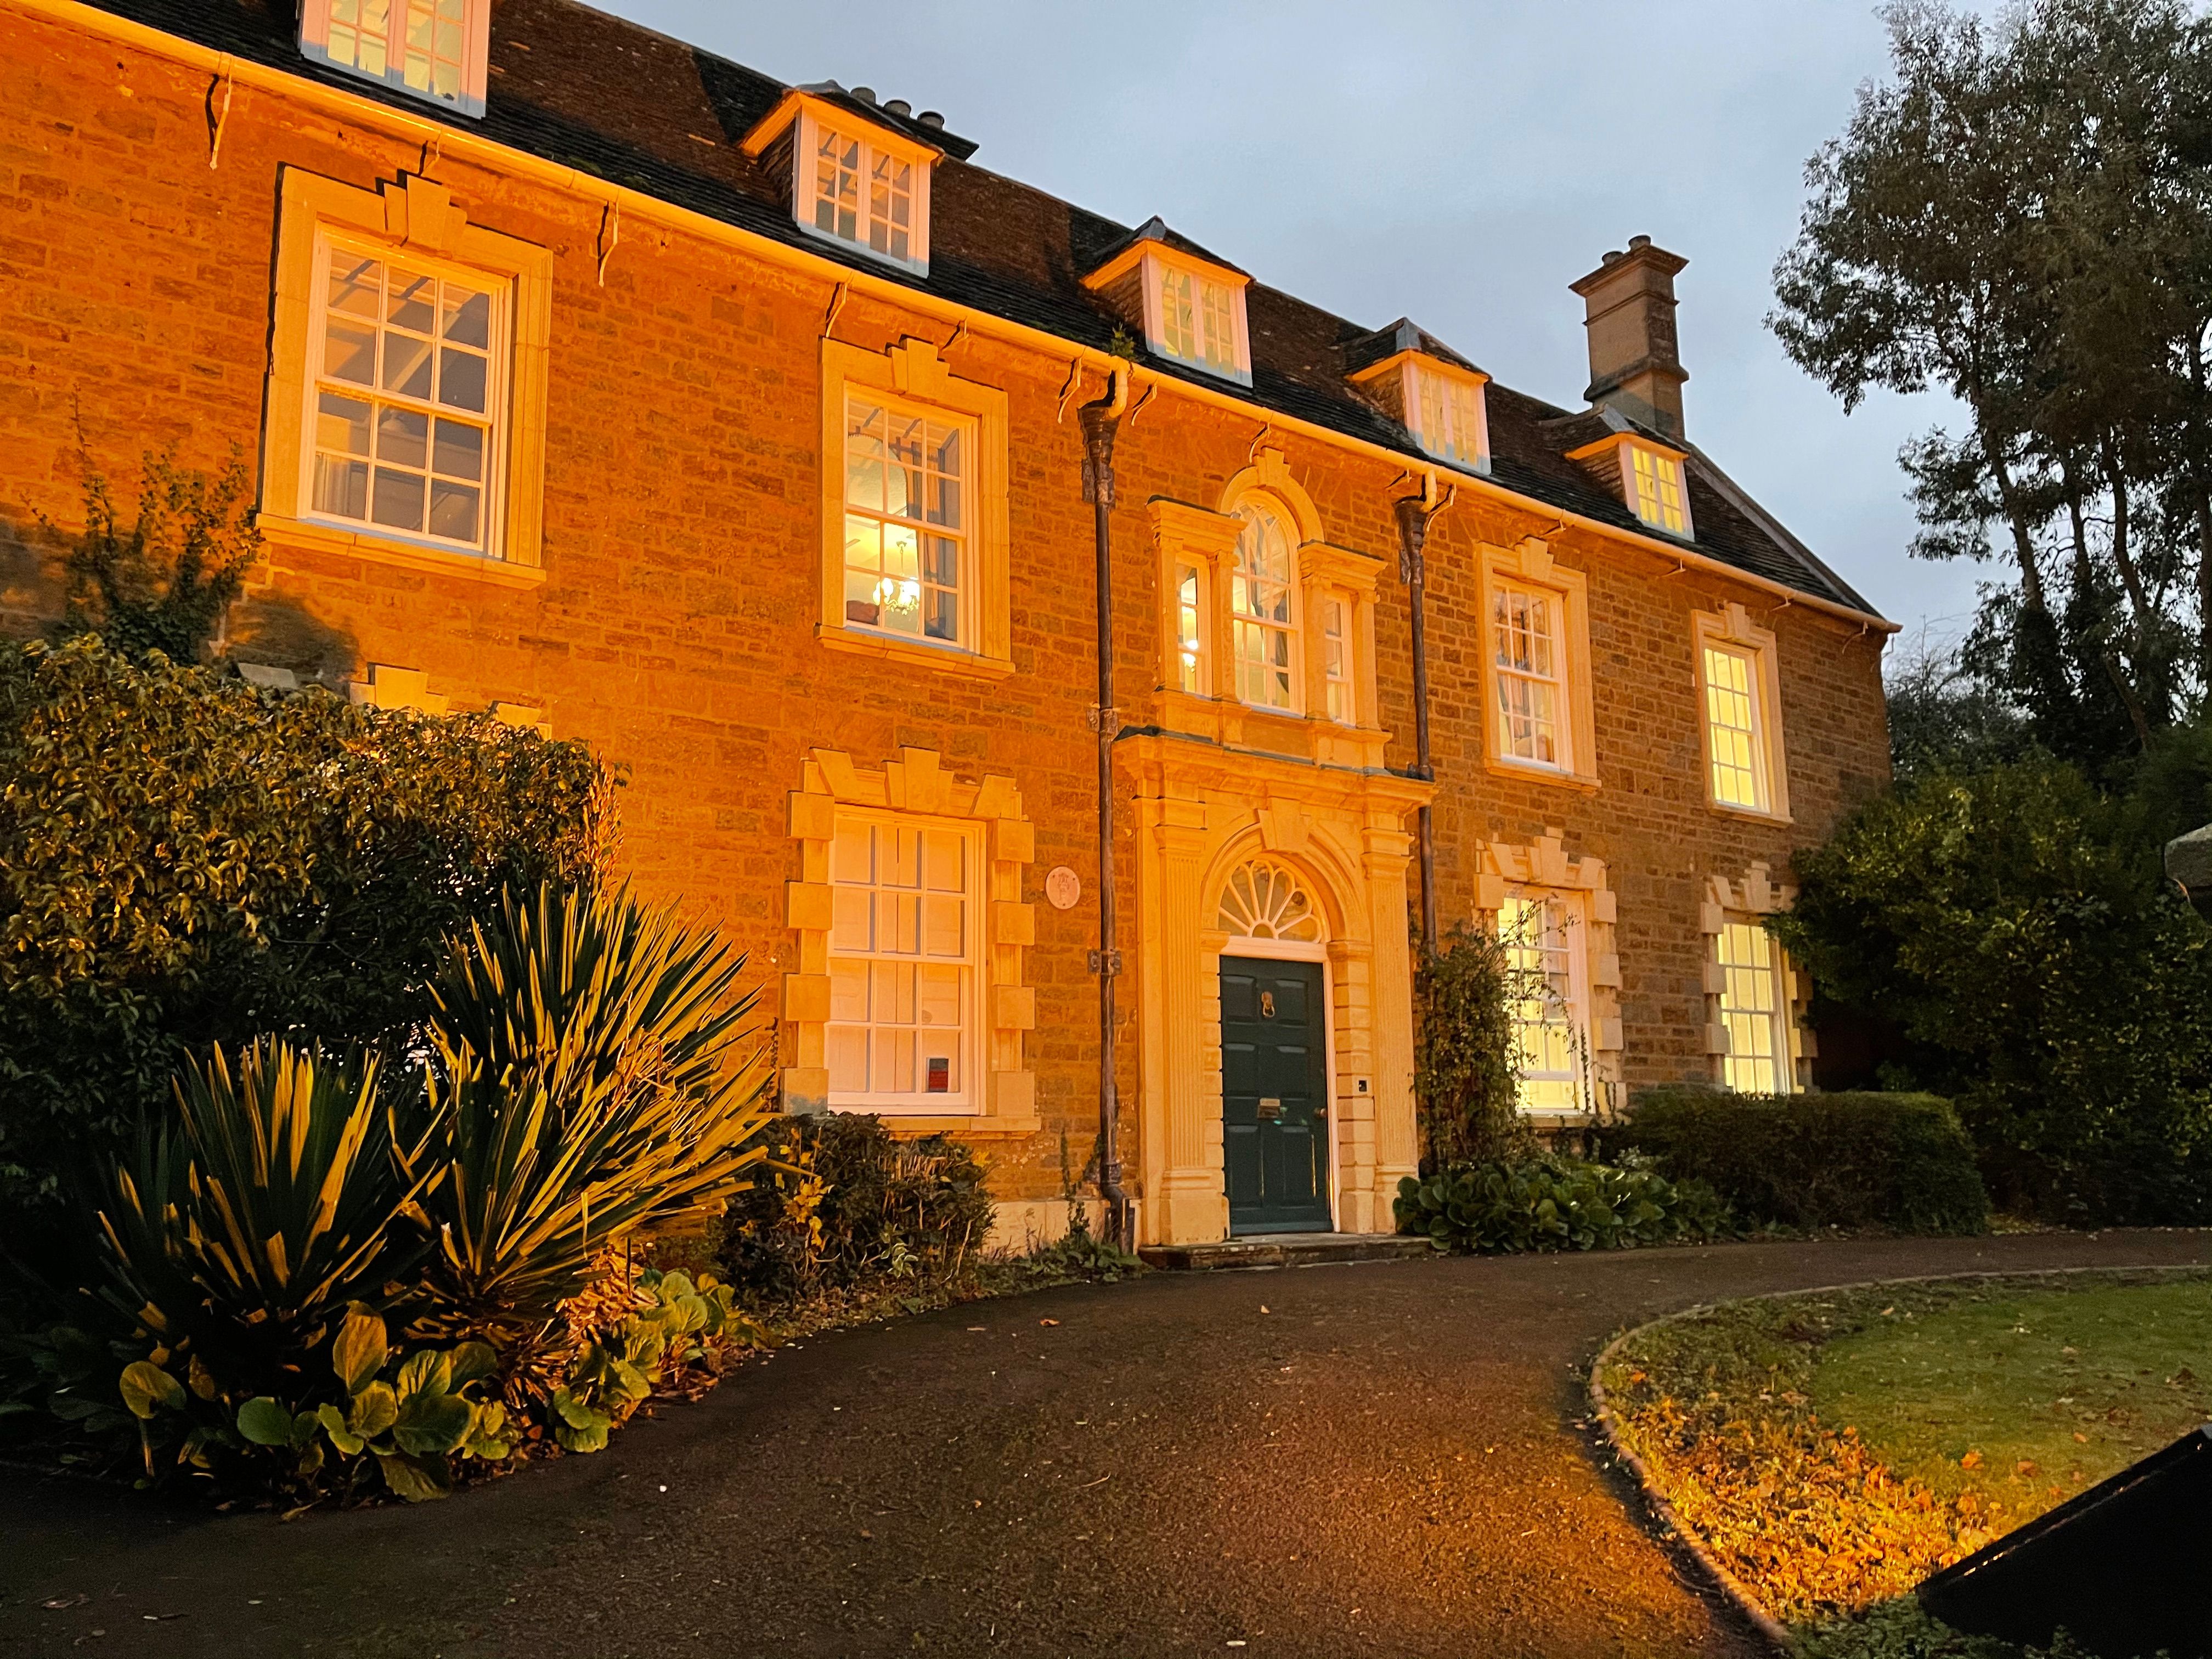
pixel 1376 1460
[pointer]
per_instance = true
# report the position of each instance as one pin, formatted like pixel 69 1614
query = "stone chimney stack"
pixel 1636 366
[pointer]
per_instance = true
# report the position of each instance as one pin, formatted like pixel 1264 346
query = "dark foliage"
pixel 1824 1160
pixel 162 584
pixel 2014 925
pixel 187 860
pixel 843 1202
pixel 1553 1203
pixel 1466 1076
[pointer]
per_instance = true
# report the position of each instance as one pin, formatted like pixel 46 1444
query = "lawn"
pixel 1830 1449
pixel 2026 1395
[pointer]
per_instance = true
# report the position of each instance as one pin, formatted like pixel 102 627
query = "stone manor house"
pixel 758 437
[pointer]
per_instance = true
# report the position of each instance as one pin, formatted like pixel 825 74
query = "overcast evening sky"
pixel 1457 163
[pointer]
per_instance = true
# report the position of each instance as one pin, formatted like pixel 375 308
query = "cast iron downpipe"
pixel 1101 421
pixel 1414 512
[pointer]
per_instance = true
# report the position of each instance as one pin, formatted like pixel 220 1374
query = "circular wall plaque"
pixel 1062 888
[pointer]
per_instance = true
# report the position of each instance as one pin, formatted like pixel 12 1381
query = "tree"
pixel 2022 217
pixel 1465 1050
pixel 2013 922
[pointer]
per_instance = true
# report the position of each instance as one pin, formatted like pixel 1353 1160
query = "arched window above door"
pixel 1263 900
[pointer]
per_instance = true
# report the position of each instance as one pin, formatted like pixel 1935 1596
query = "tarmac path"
pixel 1379 1460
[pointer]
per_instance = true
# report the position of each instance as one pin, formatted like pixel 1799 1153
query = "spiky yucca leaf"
pixel 270 1201
pixel 596 1078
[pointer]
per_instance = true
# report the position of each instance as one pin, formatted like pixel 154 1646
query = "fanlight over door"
pixel 1267 901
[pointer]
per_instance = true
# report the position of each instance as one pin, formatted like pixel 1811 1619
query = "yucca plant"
pixel 593 1077
pixel 243 1226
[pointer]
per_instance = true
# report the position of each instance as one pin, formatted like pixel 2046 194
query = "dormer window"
pixel 1657 491
pixel 1428 388
pixel 435 50
pixel 855 180
pixel 1648 474
pixel 863 193
pixel 1191 306
pixel 1449 417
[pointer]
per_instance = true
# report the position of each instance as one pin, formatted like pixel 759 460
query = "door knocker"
pixel 1266 1004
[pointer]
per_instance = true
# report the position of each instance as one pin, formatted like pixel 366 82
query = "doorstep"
pixel 1286 1250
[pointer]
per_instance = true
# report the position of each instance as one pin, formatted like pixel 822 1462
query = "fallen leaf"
pixel 1263 1308
pixel 2080 1436
pixel 61 1602
pixel 1972 1460
pixel 1048 1321
pixel 2026 1465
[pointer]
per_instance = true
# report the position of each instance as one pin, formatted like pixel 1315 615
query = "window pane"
pixel 341 488
pixel 402 437
pixel 342 424
pixel 460 451
pixel 462 379
pixel 397 500
pixel 407 365
pixel 468 319
pixel 453 510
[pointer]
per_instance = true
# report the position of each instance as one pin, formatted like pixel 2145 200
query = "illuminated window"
pixel 905 519
pixel 864 194
pixel 1655 490
pixel 1732 737
pixel 1262 600
pixel 1526 657
pixel 902 962
pixel 1198 320
pixel 1754 1011
pixel 1190 630
pixel 1448 418
pixel 434 49
pixel 1546 949
pixel 1336 648
pixel 405 397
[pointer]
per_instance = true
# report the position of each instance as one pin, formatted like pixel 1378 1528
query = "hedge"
pixel 1901 1161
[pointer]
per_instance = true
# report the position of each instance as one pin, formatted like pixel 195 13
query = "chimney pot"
pixel 932 119
pixel 1636 364
pixel 865 95
pixel 899 106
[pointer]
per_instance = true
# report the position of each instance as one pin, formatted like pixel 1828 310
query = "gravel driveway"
pixel 1385 1459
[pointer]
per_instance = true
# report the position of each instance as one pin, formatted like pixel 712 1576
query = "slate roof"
pixel 609 97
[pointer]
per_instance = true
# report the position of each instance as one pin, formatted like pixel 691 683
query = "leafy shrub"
pixel 1816 1160
pixel 587 1079
pixel 844 1201
pixel 186 861
pixel 1466 1058
pixel 164 584
pixel 1552 1203
pixel 2014 925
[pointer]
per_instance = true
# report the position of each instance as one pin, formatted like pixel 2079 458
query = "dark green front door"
pixel 1274 1096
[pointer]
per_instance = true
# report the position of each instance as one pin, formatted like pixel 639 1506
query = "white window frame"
pixel 1648 474
pixel 965 588
pixel 498 417
pixel 969 1099
pixel 1155 268
pixel 1571 1015
pixel 876 146
pixel 1292 628
pixel 1191 604
pixel 1340 655
pixel 319 19
pixel 1458 430
pixel 1737 1020
pixel 1730 632
pixel 1502 589
pixel 1753 732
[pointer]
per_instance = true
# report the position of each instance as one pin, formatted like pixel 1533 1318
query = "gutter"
pixel 459 143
